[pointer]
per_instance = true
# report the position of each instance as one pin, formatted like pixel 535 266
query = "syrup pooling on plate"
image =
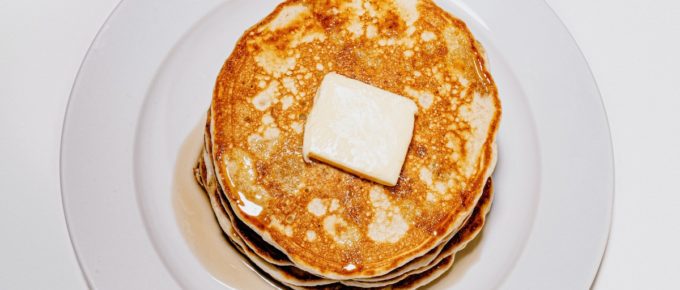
pixel 194 215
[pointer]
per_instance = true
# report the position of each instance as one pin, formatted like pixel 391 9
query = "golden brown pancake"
pixel 293 276
pixel 227 222
pixel 444 261
pixel 457 243
pixel 296 278
pixel 327 222
pixel 204 172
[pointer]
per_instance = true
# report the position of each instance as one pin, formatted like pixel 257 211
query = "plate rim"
pixel 610 147
pixel 62 137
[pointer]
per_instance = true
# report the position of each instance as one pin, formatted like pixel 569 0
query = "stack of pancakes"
pixel 311 225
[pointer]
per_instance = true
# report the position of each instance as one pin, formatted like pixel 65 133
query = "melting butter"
pixel 359 128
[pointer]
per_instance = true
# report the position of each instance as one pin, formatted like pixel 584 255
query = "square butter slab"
pixel 359 128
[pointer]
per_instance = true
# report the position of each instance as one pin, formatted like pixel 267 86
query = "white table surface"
pixel 633 48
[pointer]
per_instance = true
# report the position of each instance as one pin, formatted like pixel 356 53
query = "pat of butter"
pixel 359 128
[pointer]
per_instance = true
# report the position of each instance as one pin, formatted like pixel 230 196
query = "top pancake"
pixel 327 221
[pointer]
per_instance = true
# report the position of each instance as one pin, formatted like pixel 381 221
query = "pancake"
pixel 296 278
pixel 206 178
pixel 265 250
pixel 260 254
pixel 459 241
pixel 467 233
pixel 444 261
pixel 293 276
pixel 327 222
pixel 226 221
pixel 412 282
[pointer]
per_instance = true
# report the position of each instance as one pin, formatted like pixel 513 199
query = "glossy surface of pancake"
pixel 326 221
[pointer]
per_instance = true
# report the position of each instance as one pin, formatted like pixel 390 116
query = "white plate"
pixel 148 79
